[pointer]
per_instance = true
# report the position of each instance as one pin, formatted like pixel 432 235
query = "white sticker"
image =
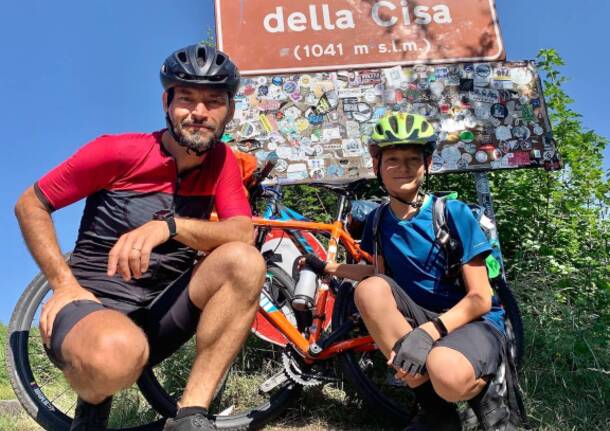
pixel 283 152
pixel 451 153
pixel 349 92
pixel 481 156
pixel 521 76
pixel 315 163
pixel 330 133
pixel 437 88
pixel 297 171
pixel 394 76
pixel 503 133
pixel 352 148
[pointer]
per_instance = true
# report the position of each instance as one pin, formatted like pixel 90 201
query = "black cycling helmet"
pixel 200 64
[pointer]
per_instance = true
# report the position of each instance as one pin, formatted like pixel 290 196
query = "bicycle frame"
pixel 314 348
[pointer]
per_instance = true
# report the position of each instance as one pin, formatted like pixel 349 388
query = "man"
pixel 133 290
pixel 443 337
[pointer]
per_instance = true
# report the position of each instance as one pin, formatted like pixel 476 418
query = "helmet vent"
pixel 424 127
pixel 393 124
pixel 201 56
pixel 182 56
pixel 220 59
pixel 410 121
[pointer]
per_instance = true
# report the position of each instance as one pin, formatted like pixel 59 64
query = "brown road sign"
pixel 273 36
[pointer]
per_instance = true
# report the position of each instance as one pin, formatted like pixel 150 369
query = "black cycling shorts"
pixel 479 341
pixel 168 321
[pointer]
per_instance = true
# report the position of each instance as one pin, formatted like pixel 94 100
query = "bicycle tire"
pixel 164 399
pixel 513 321
pixel 28 383
pixel 397 405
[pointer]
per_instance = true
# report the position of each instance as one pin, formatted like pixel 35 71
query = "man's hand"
pixel 61 297
pixel 131 254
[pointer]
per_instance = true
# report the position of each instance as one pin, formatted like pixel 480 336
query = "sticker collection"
pixel 488 116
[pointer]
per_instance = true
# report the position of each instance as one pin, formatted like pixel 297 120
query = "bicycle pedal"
pixel 273 382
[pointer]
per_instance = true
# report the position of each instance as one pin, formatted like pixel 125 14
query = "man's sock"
pixel 189 411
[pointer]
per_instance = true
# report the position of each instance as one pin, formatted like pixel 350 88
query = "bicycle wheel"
pixel 367 371
pixel 255 389
pixel 513 321
pixel 41 387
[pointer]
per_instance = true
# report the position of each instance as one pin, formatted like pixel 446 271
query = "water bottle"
pixel 305 291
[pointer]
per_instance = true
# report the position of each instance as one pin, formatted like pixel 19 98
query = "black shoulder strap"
pixel 377 248
pixel 442 236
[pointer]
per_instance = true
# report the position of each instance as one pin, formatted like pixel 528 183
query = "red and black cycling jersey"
pixel 126 180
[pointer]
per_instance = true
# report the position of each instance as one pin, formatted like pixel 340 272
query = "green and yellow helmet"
pixel 401 128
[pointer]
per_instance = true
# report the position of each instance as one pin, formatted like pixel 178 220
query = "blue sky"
pixel 72 70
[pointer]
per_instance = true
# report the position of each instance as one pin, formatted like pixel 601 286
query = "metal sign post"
pixel 486 201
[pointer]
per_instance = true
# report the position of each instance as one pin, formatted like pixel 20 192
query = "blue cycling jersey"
pixel 417 263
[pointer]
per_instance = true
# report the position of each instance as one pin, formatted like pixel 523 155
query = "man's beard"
pixel 196 141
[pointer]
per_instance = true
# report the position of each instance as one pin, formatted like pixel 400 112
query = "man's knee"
pixel 237 262
pixel 111 356
pixel 373 295
pixel 451 374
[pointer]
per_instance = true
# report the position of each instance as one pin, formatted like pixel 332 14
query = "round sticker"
pixel 277 80
pixel 538 130
pixel 305 81
pixel 483 70
pixel 481 156
pixel 499 111
pixel 261 80
pixel 247 130
pixel 451 153
pixel 503 133
pixel 318 150
pixel 467 136
pixel 290 87
pixel 263 90
pixel 521 132
pixel 317 174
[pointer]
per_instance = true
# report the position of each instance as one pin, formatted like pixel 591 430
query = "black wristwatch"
pixel 168 217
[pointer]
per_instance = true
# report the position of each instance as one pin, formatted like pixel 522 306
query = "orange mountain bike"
pixel 290 348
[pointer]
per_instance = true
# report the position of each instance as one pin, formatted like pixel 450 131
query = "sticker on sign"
pixel 272 36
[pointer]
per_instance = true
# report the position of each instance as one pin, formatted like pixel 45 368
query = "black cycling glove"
pixel 412 350
pixel 316 264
